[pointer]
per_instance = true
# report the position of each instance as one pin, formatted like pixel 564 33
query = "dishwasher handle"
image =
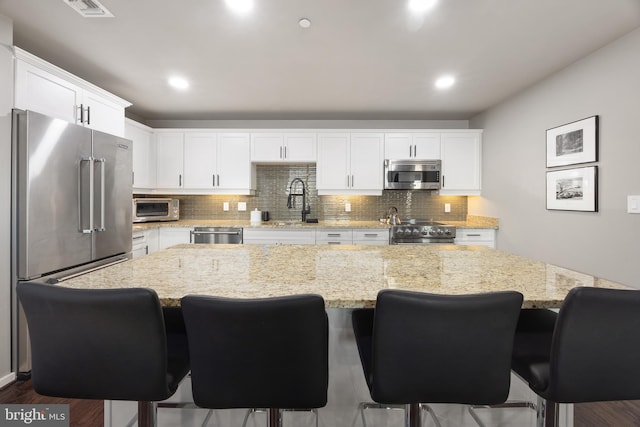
pixel 228 233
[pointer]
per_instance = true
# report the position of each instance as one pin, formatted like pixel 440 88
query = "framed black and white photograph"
pixel 573 189
pixel 573 143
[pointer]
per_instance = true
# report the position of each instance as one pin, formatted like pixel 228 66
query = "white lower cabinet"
pixel 320 236
pixel 373 236
pixel 476 236
pixel 138 244
pixel 334 236
pixel 266 236
pixel 144 242
pixel 170 236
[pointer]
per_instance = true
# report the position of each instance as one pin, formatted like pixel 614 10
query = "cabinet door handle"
pixel 89 115
pixel 352 181
pixel 473 235
pixel 442 181
pixel 146 250
pixel 410 147
pixel 370 235
pixel 81 113
pixel 214 179
pixel 285 152
pixel 334 234
pixel 218 180
pixel 415 151
pixel 180 180
pixel 280 151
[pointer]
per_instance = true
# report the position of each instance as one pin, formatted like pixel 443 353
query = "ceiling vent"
pixel 89 8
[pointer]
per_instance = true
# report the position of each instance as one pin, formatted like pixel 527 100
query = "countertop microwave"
pixel 412 174
pixel 148 210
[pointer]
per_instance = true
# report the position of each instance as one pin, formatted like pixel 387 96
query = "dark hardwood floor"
pixel 90 413
pixel 82 413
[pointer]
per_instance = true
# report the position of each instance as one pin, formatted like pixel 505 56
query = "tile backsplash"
pixel 272 190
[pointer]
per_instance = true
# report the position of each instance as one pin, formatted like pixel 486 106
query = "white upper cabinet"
pixel 236 174
pixel 269 147
pixel 41 91
pixel 200 160
pixel 350 163
pixel 204 162
pixel 414 145
pixel 47 89
pixel 169 160
pixel 144 165
pixel 102 113
pixel 461 163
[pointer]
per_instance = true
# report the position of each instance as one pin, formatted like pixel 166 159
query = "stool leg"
pixel 414 415
pixel 548 413
pixel 147 414
pixel 274 417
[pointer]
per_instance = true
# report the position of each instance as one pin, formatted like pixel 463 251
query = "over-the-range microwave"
pixel 412 174
pixel 148 209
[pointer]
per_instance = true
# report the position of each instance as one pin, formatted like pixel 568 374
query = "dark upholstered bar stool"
pixel 258 353
pixel 588 352
pixel 418 347
pixel 106 344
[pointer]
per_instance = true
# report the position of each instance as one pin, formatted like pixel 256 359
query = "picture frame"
pixel 573 143
pixel 573 189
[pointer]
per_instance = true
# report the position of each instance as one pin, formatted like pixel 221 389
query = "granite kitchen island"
pixel 347 277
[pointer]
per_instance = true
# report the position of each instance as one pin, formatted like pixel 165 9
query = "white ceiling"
pixel 361 59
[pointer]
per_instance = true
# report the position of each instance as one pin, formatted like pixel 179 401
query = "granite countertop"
pixel 346 276
pixel 471 222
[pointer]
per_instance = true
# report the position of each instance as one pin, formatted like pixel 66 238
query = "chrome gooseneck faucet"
pixel 291 199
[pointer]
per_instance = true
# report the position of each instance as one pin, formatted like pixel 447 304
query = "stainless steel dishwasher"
pixel 217 235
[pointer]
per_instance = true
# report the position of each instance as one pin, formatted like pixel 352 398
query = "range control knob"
pixel 440 232
pixel 416 231
pixel 447 232
pixel 432 232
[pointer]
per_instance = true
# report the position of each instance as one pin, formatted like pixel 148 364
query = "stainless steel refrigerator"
pixel 71 203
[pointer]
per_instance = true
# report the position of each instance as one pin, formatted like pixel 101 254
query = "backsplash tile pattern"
pixel 272 189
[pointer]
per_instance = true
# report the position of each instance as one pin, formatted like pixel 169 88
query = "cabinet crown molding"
pixel 30 58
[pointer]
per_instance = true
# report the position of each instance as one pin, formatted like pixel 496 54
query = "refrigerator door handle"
pixel 82 207
pixel 103 164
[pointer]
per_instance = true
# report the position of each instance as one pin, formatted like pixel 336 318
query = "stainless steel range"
pixel 419 232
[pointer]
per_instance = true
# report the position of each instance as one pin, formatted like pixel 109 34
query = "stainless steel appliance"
pixel 218 235
pixel 71 203
pixel 159 209
pixel 419 232
pixel 412 174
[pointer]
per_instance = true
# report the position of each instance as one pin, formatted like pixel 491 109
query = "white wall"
pixel 606 243
pixel 6 102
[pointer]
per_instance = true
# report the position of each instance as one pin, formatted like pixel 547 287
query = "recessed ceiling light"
pixel 178 83
pixel 445 82
pixel 240 6
pixel 420 6
pixel 304 23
